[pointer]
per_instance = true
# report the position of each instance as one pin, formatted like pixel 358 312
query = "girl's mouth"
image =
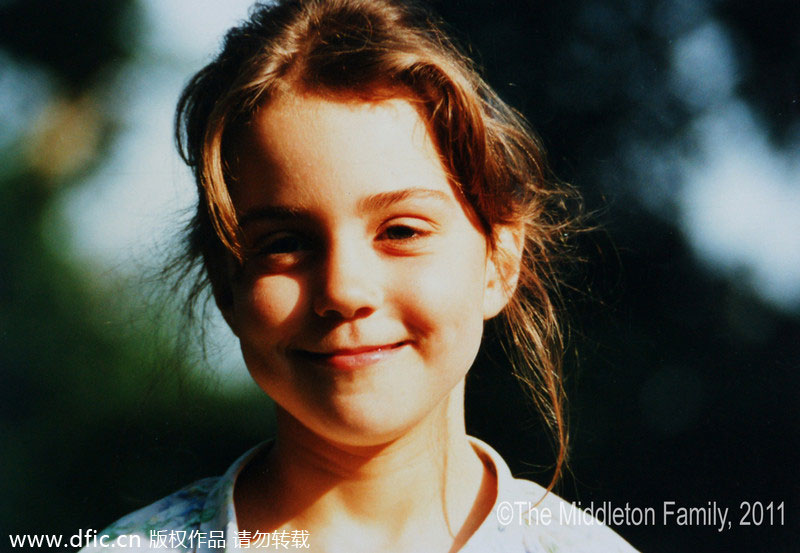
pixel 350 359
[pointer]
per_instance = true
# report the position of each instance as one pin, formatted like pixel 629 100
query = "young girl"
pixel 366 204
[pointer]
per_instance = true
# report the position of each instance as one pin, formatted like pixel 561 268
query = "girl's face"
pixel 362 308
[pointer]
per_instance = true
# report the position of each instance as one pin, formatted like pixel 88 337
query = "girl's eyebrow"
pixel 273 212
pixel 375 202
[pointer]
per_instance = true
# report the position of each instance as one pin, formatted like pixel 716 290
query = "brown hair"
pixel 369 50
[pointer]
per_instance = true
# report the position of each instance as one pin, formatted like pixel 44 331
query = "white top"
pixel 201 518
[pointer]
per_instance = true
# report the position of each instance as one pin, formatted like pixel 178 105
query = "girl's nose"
pixel 348 285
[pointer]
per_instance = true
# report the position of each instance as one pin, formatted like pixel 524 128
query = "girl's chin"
pixel 362 433
pixel 351 429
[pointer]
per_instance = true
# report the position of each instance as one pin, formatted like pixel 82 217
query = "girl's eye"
pixel 405 235
pixel 281 244
pixel 401 232
pixel 280 251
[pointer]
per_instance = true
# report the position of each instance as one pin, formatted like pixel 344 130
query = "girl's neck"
pixel 428 483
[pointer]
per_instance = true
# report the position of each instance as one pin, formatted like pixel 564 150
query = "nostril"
pixel 346 302
pixel 345 308
pixel 346 287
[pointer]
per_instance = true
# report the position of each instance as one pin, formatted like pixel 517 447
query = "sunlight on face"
pixel 362 306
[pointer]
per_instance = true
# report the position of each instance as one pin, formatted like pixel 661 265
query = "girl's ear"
pixel 502 268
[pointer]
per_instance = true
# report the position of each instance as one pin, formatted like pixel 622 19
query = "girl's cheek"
pixel 446 295
pixel 270 302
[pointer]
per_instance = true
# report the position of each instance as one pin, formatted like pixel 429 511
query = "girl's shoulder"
pixel 556 525
pixel 193 518
pixel 166 524
pixel 526 517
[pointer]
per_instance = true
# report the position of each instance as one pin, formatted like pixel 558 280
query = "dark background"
pixel 683 381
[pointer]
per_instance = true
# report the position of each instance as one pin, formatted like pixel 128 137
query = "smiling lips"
pixel 354 358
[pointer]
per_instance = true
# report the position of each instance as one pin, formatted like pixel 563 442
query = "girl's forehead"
pixel 296 124
pixel 301 144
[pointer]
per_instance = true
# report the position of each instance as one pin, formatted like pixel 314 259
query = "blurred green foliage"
pixel 99 413
pixel 74 41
